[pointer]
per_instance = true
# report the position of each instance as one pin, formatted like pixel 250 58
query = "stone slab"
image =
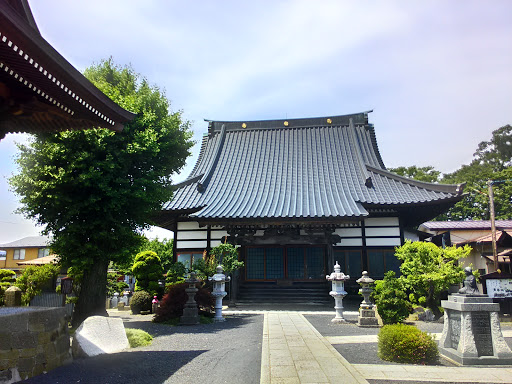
pixel 98 335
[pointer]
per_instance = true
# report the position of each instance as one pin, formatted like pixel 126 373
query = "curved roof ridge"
pixel 359 156
pixel 334 120
pixel 447 188
pixel 208 173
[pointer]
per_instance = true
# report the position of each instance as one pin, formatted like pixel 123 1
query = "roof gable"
pixel 27 242
pixel 328 167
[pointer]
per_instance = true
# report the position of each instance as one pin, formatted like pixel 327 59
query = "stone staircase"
pixel 274 293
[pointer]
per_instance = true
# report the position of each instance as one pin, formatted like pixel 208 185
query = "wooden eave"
pixel 40 90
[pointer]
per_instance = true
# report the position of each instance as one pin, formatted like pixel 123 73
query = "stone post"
pixel 13 297
pixel 190 312
pixel 366 316
pixel 154 304
pixel 115 300
pixel 219 291
pixel 338 291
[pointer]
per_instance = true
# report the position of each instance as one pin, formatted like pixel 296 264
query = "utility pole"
pixel 493 225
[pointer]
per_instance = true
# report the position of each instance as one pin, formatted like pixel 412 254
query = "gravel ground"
pixel 366 353
pixel 228 352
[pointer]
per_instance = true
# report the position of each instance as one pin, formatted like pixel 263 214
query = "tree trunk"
pixel 93 291
pixel 431 300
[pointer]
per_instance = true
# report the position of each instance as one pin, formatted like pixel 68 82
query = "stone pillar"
pixel 190 312
pixel 337 278
pixel 13 297
pixel 219 292
pixel 366 316
pixel 472 333
pixel 115 300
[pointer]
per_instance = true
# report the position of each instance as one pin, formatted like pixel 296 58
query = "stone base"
pixel 452 354
pixel 338 320
pixel 367 319
pixel 472 333
pixel 218 319
pixel 190 317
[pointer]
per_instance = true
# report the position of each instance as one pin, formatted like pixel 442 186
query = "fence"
pixel 50 299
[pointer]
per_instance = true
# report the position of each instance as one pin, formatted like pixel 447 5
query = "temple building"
pixel 297 195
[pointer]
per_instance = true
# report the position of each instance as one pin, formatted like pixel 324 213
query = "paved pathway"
pixel 293 351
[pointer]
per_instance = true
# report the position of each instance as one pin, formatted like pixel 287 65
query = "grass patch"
pixel 138 337
pixel 205 320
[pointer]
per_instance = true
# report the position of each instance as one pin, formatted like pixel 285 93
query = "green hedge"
pixel 407 344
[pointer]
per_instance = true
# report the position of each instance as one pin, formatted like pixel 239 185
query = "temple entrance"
pixel 294 262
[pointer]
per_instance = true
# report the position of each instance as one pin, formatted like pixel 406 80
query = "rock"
pixel 429 315
pixel 98 335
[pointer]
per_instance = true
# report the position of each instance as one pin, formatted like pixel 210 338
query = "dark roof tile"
pixel 307 169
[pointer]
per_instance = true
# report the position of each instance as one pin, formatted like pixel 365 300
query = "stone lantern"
pixel 366 316
pixel 190 312
pixel 219 291
pixel 337 278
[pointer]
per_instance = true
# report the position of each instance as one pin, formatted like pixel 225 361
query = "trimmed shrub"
pixel 141 301
pixel 147 269
pixel 406 344
pixel 138 337
pixel 391 300
pixel 172 304
pixel 35 279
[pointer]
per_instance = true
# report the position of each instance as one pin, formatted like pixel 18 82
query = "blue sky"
pixel 437 74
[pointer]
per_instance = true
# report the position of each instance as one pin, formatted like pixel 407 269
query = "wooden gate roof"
pixel 39 89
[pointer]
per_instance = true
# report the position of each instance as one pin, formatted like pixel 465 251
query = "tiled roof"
pixel 31 241
pixel 466 225
pixel 302 168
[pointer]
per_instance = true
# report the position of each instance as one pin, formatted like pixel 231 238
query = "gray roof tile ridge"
pixel 208 173
pixel 333 120
pixel 454 189
pixel 29 241
pixel 359 157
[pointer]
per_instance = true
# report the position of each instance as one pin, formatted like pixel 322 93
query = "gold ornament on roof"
pixel 285 123
pixel 329 121
pixel 244 125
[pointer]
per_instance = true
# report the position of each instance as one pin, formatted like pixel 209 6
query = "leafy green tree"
pixel 427 174
pixel 34 279
pixel 7 278
pixel 114 285
pixel 491 161
pixel 391 300
pixel 224 254
pixel 148 270
pixel 176 273
pixel 96 190
pixel 428 270
pixel 227 255
pixel 163 248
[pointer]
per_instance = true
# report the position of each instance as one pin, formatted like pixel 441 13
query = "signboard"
pixel 499 288
pixel 481 324
pixel 66 285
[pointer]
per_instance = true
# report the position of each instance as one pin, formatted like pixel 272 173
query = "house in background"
pixel 298 195
pixel 477 234
pixel 21 253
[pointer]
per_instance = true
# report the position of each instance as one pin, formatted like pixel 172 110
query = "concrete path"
pixel 293 351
